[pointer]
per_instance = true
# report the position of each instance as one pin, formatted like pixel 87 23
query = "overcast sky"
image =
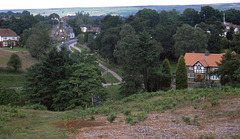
pixel 38 4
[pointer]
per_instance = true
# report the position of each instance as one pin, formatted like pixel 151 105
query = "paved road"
pixel 67 44
pixel 72 42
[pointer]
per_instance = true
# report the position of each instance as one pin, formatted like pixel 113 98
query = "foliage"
pixel 214 42
pixel 9 96
pixel 39 41
pixel 181 74
pixel 166 70
pixel 14 62
pixel 189 39
pixel 111 118
pixel 190 16
pixel 229 69
pixel 35 107
pixel 80 39
pixel 63 82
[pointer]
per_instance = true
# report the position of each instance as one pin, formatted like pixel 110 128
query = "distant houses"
pixel 62 32
pixel 8 36
pixel 90 28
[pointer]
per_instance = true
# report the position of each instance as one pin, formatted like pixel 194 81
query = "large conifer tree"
pixel 181 74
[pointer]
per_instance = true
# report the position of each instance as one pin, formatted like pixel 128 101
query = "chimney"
pixel 206 53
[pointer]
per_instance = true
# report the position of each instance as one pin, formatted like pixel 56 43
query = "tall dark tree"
pixel 149 52
pixel 214 43
pixel 127 54
pixel 167 75
pixel 230 34
pixel 229 69
pixel 181 74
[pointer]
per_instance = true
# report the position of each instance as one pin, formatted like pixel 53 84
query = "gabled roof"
pixel 207 61
pixel 7 33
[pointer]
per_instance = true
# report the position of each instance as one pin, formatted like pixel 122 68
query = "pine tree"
pixel 167 75
pixel 14 62
pixel 181 74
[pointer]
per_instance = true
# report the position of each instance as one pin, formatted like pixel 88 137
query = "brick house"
pixel 8 34
pixel 199 65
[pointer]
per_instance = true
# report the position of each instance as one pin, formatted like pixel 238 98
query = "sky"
pixel 42 4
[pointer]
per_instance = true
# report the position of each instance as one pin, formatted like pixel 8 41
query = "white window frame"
pixel 5 43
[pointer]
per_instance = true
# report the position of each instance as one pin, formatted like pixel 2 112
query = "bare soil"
pixel 221 121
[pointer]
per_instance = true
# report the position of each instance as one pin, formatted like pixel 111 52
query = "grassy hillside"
pixel 212 113
pixel 26 59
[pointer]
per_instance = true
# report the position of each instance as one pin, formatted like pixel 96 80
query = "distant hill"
pixel 122 11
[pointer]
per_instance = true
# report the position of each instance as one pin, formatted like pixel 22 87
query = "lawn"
pixel 81 48
pixel 16 49
pixel 113 92
pixel 11 79
pixel 112 67
pixel 109 78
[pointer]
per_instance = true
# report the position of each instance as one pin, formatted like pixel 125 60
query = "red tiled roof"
pixel 7 33
pixel 207 61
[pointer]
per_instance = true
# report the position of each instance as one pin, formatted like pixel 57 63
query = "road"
pixel 72 43
pixel 67 44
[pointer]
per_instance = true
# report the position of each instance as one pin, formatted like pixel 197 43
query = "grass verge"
pixel 16 49
pixel 11 79
pixel 109 78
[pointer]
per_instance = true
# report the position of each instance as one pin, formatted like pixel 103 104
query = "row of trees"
pixel 62 81
pixel 174 30
pixel 23 21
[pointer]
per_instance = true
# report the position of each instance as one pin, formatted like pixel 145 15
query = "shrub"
pixel 141 116
pixel 35 107
pixel 127 112
pixel 14 62
pixel 130 120
pixel 9 96
pixel 111 118
pixel 186 120
pixel 91 118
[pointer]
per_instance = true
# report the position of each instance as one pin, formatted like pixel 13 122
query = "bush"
pixel 130 120
pixel 14 62
pixel 127 112
pixel 186 120
pixel 111 118
pixel 9 96
pixel 35 107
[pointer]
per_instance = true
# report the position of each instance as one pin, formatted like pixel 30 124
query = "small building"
pixel 90 28
pixel 6 35
pixel 200 65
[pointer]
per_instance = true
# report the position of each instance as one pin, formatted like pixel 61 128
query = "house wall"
pixel 192 76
